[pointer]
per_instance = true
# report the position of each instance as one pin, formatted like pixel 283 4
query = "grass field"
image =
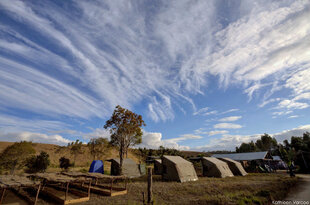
pixel 251 189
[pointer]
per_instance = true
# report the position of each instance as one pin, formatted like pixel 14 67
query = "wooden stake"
pixel 38 191
pixel 143 198
pixel 67 191
pixel 149 186
pixel 111 186
pixel 89 186
pixel 2 195
pixel 126 183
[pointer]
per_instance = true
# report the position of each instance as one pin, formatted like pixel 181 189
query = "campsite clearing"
pixel 253 188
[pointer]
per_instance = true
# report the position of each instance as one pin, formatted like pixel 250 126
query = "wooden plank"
pixel 71 201
pixel 102 191
pixel 22 194
pixel 60 200
pixel 53 196
pixel 75 192
pixel 119 193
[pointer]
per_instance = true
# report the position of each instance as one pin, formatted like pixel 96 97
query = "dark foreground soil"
pixel 250 189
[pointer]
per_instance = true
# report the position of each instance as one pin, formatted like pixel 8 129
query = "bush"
pixel 38 163
pixel 64 163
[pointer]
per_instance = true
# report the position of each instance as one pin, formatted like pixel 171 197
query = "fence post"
pixel 149 186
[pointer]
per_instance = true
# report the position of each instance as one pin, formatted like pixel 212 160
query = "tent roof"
pixel 243 156
pixel 125 161
pixel 276 158
pixel 214 160
pixel 176 159
pixel 158 160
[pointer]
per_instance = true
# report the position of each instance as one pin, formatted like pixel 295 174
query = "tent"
pixel 213 167
pixel 158 168
pixel 235 167
pixel 175 168
pixel 130 167
pixel 96 167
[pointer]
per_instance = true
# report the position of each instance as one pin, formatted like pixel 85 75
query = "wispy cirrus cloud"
pixel 227 126
pixel 230 119
pixel 78 60
pixel 111 54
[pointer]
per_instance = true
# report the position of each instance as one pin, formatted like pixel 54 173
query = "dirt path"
pixel 302 191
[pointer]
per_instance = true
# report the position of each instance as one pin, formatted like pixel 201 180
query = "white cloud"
pixel 287 134
pixel 34 137
pixel 231 110
pixel 227 126
pixel 10 123
pixel 265 102
pixel 230 142
pixel 201 111
pixel 282 113
pixel 185 137
pixel 153 140
pixel 227 142
pixel 292 116
pixel 291 104
pixel 98 132
pixel 216 132
pixel 210 113
pixel 230 119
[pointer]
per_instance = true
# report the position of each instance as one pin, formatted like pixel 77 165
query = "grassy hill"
pixel 83 160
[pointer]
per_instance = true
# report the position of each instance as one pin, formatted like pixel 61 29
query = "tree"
pixel 64 163
pixel 38 163
pixel 246 147
pixel 98 147
pixel 76 149
pixel 125 129
pixel 15 156
pixel 266 143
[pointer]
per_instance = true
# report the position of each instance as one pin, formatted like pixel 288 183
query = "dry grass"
pixel 251 189
pixel 83 160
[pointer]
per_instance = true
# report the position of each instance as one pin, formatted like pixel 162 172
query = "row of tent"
pixel 175 168
pixel 130 168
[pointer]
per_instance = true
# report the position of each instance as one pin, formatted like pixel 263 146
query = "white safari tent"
pixel 213 167
pixel 235 167
pixel 175 168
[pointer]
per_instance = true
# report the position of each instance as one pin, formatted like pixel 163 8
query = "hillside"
pixel 83 160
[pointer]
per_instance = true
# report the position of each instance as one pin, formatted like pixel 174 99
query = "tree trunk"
pixel 121 153
pixel 13 168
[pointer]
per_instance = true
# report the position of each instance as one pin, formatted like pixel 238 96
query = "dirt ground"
pixel 302 191
pixel 250 189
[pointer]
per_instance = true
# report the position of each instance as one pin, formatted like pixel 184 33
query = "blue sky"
pixel 205 75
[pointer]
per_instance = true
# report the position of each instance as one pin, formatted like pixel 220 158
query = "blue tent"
pixel 96 167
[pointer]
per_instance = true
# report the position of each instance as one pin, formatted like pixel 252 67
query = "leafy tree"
pixel 266 143
pixel 76 149
pixel 246 147
pixel 38 163
pixel 15 156
pixel 98 147
pixel 125 128
pixel 64 163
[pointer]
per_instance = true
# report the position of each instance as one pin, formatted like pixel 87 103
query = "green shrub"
pixel 64 163
pixel 38 163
